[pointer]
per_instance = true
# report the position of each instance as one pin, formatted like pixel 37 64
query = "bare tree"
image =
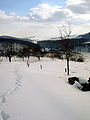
pixel 65 33
pixel 10 51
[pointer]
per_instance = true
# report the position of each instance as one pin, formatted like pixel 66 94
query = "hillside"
pixel 85 36
pixel 14 38
pixel 80 43
pixel 18 42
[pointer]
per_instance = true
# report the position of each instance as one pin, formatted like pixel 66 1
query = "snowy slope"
pixel 32 93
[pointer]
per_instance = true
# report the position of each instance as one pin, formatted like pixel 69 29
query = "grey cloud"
pixel 79 9
pixel 57 16
pixel 82 8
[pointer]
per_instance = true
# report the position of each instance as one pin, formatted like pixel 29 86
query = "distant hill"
pixel 85 36
pixel 14 38
pixel 81 43
pixel 18 42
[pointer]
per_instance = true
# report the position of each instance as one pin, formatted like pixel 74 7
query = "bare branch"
pixel 60 32
pixel 65 31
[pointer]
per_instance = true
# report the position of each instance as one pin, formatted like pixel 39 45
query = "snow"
pixel 32 93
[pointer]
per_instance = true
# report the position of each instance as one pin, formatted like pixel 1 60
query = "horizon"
pixel 42 38
pixel 42 18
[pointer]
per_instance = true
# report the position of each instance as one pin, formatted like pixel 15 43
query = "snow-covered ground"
pixel 32 93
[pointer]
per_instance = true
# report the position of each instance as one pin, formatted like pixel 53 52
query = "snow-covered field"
pixel 32 93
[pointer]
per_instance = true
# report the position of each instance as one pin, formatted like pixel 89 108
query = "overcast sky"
pixel 42 18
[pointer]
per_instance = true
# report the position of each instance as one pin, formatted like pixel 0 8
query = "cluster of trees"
pixel 74 56
pixel 25 51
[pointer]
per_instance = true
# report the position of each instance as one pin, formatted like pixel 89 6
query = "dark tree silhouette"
pixel 65 33
pixel 10 51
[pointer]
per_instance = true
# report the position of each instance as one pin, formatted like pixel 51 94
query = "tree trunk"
pixel 23 58
pixel 39 58
pixel 67 65
pixel 28 57
pixel 9 58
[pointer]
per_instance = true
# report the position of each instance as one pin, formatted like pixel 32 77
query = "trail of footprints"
pixel 18 83
pixel 3 97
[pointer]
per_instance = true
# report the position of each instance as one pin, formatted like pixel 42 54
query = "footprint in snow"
pixel 4 116
pixel 3 100
pixel 19 77
pixel 18 80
